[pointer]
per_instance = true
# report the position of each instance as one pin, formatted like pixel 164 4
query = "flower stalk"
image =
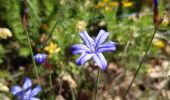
pixel 140 65
pixel 32 56
pixel 61 14
pixel 157 20
pixel 72 94
pixel 51 84
pixel 25 26
pixel 97 84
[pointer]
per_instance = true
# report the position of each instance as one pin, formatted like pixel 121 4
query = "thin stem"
pixel 125 49
pixel 32 57
pixel 60 90
pixel 97 83
pixel 58 19
pixel 72 94
pixel 51 84
pixel 140 64
pixel 62 70
pixel 32 7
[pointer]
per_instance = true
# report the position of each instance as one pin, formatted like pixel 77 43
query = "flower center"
pixel 92 48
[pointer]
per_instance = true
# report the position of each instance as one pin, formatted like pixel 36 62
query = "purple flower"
pixel 93 49
pixel 155 4
pixel 25 92
pixel 40 58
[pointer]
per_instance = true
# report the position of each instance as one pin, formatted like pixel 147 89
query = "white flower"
pixel 3 88
pixel 5 33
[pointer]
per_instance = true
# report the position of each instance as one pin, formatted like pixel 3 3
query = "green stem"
pixel 32 7
pixel 60 90
pixel 97 83
pixel 140 64
pixel 72 93
pixel 61 13
pixel 51 84
pixel 32 56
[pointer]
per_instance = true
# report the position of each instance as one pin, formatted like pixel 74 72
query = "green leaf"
pixel 1 51
pixel 24 51
pixel 4 73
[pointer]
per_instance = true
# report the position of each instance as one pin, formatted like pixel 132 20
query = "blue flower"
pixel 93 49
pixel 25 92
pixel 155 4
pixel 40 58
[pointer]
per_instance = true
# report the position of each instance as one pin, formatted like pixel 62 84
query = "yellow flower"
pixel 99 5
pixel 107 4
pixel 105 1
pixel 127 3
pixel 4 33
pixel 52 48
pixel 165 21
pixel 159 43
pixel 107 8
pixel 113 4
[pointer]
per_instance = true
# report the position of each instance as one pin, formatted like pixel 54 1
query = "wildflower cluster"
pixel 91 48
pixel 109 4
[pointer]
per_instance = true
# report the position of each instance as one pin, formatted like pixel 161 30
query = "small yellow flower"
pixel 5 33
pixel 127 3
pixel 149 70
pixel 107 4
pixel 165 21
pixel 99 5
pixel 113 4
pixel 159 43
pixel 52 48
pixel 107 8
pixel 105 1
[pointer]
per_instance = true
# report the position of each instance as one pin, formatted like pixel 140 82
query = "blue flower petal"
pixel 27 84
pixel 34 99
pixel 93 48
pixel 83 58
pixel 155 4
pixel 40 58
pixel 35 91
pixel 107 47
pixel 78 51
pixel 27 88
pixel 87 39
pixel 100 60
pixel 25 95
pixel 79 48
pixel 101 37
pixel 16 90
